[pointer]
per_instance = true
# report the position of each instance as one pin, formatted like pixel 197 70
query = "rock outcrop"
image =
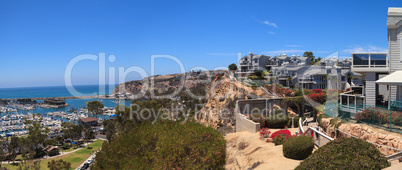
pixel 167 84
pixel 367 133
pixel 218 111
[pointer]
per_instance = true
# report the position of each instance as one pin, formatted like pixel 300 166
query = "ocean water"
pixel 54 91
pixel 60 91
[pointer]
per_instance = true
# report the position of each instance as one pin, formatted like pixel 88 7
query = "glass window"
pixel 360 59
pixel 378 59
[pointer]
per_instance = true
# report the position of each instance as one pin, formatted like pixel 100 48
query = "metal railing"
pixel 301 126
pixel 319 138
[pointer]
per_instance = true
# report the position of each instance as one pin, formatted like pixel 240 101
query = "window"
pixel 360 59
pixel 378 59
pixel 400 48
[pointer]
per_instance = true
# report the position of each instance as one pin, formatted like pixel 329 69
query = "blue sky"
pixel 39 38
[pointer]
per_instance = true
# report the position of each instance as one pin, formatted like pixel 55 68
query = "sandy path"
pixel 269 155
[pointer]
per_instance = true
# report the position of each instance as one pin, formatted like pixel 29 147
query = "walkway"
pixel 320 141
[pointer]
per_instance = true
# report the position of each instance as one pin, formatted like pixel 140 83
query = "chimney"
pixel 251 54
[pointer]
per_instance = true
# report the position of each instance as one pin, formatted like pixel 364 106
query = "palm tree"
pixel 289 80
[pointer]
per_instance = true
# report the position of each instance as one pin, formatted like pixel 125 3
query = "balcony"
pixel 370 62
pixel 306 80
pixel 271 64
pixel 245 64
pixel 352 101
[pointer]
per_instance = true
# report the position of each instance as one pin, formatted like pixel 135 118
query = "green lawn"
pixel 76 158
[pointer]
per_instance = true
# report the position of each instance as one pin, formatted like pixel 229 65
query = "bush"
pixel 282 131
pixel 277 121
pixel 281 138
pixel 232 66
pixel 299 147
pixel 346 153
pixel 164 145
pixel 65 146
pixel 259 118
pixel 296 121
pixel 264 133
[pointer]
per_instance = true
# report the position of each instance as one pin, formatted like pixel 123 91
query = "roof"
pixel 49 148
pixel 282 58
pixel 89 119
pixel 303 58
pixel 394 10
pixel 394 78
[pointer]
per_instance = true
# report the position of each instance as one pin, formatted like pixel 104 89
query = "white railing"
pixel 389 157
pixel 301 130
pixel 316 137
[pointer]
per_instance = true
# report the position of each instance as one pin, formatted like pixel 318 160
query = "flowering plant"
pixel 282 131
pixel 264 133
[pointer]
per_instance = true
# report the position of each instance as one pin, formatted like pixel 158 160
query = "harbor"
pixel 13 113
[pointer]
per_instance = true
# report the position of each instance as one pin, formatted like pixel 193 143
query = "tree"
pixel 297 101
pixel 289 80
pixel 13 146
pixel 166 145
pixel 233 66
pixel 59 139
pixel 95 107
pixel 89 133
pixel 71 130
pixel 258 73
pixel 59 164
pixel 310 55
pixel 50 142
pixel 37 135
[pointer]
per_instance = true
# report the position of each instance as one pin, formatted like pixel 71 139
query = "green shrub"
pixel 280 139
pixel 259 118
pixel 164 145
pixel 346 153
pixel 232 66
pixel 296 121
pixel 65 146
pixel 277 121
pixel 299 147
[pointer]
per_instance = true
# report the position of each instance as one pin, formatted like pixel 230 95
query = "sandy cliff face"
pixel 218 111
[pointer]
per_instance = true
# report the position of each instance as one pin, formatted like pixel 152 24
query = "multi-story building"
pixel 394 79
pixel 251 63
pixel 296 71
pixel 383 71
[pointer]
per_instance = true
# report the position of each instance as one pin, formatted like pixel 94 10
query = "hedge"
pixel 277 121
pixel 281 138
pixel 299 147
pixel 345 153
pixel 164 145
pixel 296 121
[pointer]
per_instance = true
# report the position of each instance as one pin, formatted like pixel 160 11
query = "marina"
pixel 13 114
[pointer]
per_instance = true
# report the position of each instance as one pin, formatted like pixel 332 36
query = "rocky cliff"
pixel 167 84
pixel 218 111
